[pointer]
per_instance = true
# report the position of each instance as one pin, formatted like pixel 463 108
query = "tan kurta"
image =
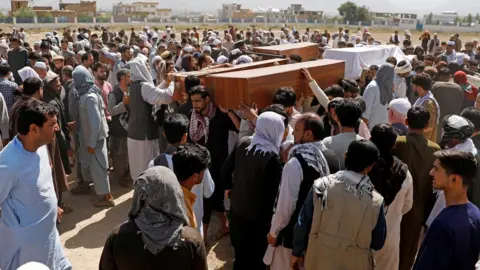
pixel 432 109
pixel 189 198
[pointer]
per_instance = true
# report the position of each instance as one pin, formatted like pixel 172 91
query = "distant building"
pixel 293 12
pixel 17 4
pixel 445 18
pixel 83 7
pixel 140 10
pixel 392 18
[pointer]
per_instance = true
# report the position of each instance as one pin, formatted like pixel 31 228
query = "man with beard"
pixel 120 60
pixel 119 109
pixel 100 73
pixel 17 58
pixel 59 62
pixel 308 160
pixel 210 126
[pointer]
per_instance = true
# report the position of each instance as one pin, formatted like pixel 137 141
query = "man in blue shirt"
pixel 453 239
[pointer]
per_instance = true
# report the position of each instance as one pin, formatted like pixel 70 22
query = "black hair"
pixel 295 57
pixel 457 162
pixel 384 137
pixel 472 114
pixel 174 127
pixel 374 67
pixel 33 112
pixel 419 67
pixel 199 90
pixel 423 80
pixel 444 72
pixel 190 82
pixel 97 66
pixel 190 159
pixel 418 117
pixel 122 72
pixel 454 67
pixel 348 112
pixel 278 109
pixel 335 91
pixel 123 48
pixel 31 86
pixel 392 60
pixel 360 155
pixel 285 96
pixel 201 59
pixel 350 86
pixel 314 123
pixel 4 69
pixel 429 57
pixel 96 56
pixel 85 56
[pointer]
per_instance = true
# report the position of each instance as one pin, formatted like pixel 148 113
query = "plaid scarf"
pixel 199 125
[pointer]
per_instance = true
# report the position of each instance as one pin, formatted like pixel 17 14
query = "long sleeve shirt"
pixel 155 95
pixel 304 224
pixel 4 120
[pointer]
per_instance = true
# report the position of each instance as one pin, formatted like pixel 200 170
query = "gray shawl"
pixel 384 79
pixel 157 209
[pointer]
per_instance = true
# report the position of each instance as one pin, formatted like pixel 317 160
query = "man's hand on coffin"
pixel 249 112
pixel 307 75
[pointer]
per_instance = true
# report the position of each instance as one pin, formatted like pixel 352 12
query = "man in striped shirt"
pixel 7 88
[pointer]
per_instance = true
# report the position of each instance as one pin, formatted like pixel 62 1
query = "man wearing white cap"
pixel 219 49
pixel 41 69
pixel 397 114
pixel 402 70
pixel 451 54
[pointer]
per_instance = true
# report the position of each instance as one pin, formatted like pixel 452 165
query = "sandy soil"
pixel 83 232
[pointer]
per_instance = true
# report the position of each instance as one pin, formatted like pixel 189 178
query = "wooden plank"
pixel 306 50
pixel 260 85
pixel 180 76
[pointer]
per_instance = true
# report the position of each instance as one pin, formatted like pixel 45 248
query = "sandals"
pixel 102 203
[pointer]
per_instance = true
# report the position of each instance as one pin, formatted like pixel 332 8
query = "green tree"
pixel 457 20
pixel 348 10
pixel 24 13
pixel 104 18
pixel 477 17
pixel 3 18
pixel 46 18
pixel 430 18
pixel 363 14
pixel 469 18
pixel 84 18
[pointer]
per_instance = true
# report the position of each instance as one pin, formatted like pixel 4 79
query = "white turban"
pixel 27 72
pixel 222 59
pixel 403 69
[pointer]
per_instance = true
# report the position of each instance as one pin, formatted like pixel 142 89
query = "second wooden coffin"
pixel 180 76
pixel 260 85
pixel 306 50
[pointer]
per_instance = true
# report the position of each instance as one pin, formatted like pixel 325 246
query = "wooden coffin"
pixel 306 50
pixel 260 85
pixel 180 76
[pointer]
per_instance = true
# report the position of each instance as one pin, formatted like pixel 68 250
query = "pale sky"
pixel 419 7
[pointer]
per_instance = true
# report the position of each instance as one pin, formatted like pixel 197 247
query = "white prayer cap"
pixel 403 69
pixel 211 39
pixel 146 27
pixel 217 42
pixel 156 58
pixel 466 57
pixel 451 43
pixel 188 49
pixel 33 266
pixel 207 49
pixel 40 65
pixel 162 45
pixel 235 52
pixel 244 59
pixel 37 43
pixel 400 105
pixel 144 38
pixel 222 59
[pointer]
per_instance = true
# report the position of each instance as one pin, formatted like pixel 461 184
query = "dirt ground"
pixel 84 231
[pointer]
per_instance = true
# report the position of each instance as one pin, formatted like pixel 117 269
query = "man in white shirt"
pixel 175 129
pixel 402 71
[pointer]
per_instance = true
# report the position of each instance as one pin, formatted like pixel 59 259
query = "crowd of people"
pixel 375 173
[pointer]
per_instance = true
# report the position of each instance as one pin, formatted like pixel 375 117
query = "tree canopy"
pixel 24 12
pixel 353 13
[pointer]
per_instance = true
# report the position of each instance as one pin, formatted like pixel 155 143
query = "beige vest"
pixel 342 227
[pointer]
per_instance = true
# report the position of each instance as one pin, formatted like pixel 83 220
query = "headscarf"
pixel 268 135
pixel 312 153
pixel 186 62
pixel 157 209
pixel 139 71
pixel 458 127
pixel 403 69
pixel 244 59
pixel 222 59
pixel 83 80
pixel 199 126
pixel 27 72
pixel 384 79
pixel 3 50
pixel 153 69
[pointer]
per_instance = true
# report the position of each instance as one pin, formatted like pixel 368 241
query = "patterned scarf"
pixel 422 100
pixel 312 154
pixel 199 125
